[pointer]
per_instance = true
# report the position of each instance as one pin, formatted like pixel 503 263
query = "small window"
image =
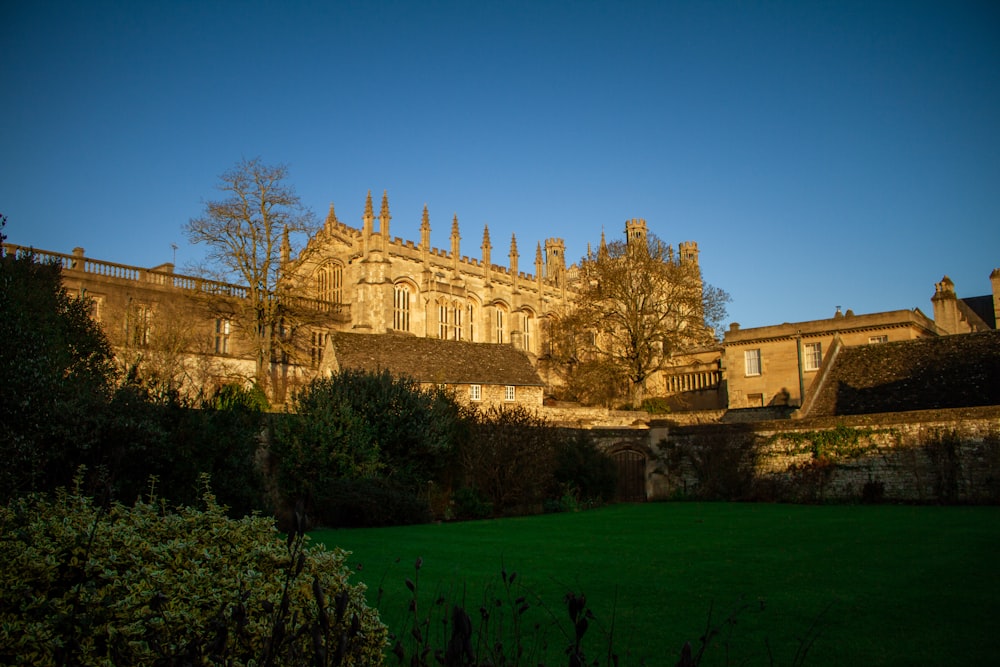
pixel 318 344
pixel 875 340
pixel 510 393
pixel 475 392
pixel 813 356
pixel 223 328
pixel 752 360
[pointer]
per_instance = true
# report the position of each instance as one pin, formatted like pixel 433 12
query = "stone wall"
pixel 924 456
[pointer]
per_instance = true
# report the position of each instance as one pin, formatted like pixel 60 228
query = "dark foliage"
pixel 55 377
pixel 584 471
pixel 358 503
pixel 509 459
pixel 362 426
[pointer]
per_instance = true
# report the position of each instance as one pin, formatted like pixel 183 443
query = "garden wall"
pixel 924 456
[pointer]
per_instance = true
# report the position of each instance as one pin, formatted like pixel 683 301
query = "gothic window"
pixel 526 329
pixel 813 356
pixel 329 283
pixel 223 330
pixel 449 320
pixel 752 361
pixel 470 311
pixel 501 324
pixel 456 321
pixel 401 307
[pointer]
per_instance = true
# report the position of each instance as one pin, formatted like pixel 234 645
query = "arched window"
pixel 527 329
pixel 401 307
pixel 500 323
pixel 450 320
pixel 471 309
pixel 330 283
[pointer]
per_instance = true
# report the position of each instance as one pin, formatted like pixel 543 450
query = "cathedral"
pixel 394 285
pixel 347 282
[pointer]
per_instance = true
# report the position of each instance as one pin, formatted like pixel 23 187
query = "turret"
pixel 555 259
pixel 635 231
pixel 689 252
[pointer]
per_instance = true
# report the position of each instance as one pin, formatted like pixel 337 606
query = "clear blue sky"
pixel 820 153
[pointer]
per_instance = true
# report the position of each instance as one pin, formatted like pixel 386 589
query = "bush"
pixel 56 375
pixel 509 459
pixel 143 585
pixel 360 503
pixel 584 472
pixel 145 433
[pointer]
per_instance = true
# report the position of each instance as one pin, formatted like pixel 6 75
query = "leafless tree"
pixel 249 232
pixel 638 304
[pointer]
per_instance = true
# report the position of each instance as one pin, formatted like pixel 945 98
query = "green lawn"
pixel 887 585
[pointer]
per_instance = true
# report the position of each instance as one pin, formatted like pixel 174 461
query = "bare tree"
pixel 638 304
pixel 249 232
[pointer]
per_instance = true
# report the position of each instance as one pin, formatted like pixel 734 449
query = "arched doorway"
pixel 631 476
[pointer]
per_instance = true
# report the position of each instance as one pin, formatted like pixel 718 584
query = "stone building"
pixel 354 280
pixel 476 373
pixel 776 365
pixel 387 284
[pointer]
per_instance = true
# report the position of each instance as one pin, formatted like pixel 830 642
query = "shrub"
pixel 143 585
pixel 359 503
pixel 509 458
pixel 56 374
pixel 470 504
pixel 583 472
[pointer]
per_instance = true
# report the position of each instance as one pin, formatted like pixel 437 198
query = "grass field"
pixel 884 585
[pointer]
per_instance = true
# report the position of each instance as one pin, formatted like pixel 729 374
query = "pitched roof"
pixel 431 359
pixel 923 374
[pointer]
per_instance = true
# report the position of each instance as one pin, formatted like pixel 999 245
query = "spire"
pixel 539 267
pixel 384 217
pixel 286 246
pixel 331 219
pixel 425 231
pixel 486 247
pixel 367 221
pixel 369 212
pixel 513 256
pixel 455 238
pixel 602 250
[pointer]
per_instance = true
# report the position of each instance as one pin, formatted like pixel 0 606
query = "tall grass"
pixel 886 585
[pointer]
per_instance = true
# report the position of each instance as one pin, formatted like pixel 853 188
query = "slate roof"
pixel 431 359
pixel 982 306
pixel 923 374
